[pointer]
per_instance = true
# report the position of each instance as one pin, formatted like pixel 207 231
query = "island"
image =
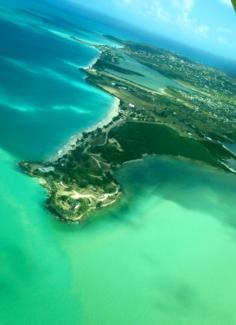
pixel 165 104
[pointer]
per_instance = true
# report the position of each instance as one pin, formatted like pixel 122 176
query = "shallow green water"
pixel 166 254
pixel 33 265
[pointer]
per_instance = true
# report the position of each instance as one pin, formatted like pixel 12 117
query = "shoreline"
pixel 71 143
pixel 91 63
pixel 81 177
pixel 113 112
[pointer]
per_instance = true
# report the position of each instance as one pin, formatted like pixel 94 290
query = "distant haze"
pixel 209 25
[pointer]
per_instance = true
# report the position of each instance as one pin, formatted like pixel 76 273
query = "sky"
pixel 206 24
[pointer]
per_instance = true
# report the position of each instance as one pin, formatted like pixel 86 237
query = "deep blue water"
pixel 43 96
pixel 107 25
pixel 165 254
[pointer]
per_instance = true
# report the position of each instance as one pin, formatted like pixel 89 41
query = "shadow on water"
pixel 29 130
pixel 187 184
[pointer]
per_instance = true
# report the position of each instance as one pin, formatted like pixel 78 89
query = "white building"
pixel 131 105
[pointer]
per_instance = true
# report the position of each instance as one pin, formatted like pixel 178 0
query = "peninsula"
pixel 165 104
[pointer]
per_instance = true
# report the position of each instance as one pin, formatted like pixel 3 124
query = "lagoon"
pixel 165 254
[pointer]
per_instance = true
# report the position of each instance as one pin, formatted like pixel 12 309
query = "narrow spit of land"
pixel 192 116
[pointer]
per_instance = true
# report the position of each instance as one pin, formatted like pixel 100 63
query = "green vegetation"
pixel 234 4
pixel 137 139
pixel 191 119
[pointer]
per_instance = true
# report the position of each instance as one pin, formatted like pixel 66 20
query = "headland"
pixel 191 117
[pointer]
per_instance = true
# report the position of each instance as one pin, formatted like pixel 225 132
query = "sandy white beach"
pixel 92 63
pixel 113 112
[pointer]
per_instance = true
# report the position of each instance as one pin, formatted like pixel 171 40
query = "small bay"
pixel 164 254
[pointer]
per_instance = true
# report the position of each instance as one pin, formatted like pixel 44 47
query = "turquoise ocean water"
pixel 166 254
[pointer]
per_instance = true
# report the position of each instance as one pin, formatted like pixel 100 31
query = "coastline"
pixel 71 143
pixel 113 112
pixel 91 63
pixel 80 178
